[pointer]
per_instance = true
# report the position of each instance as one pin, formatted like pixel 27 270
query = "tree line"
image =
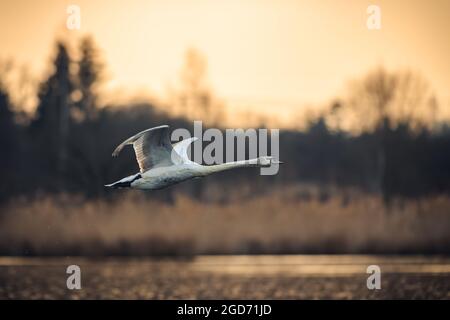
pixel 384 138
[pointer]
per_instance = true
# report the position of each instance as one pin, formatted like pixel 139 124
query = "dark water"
pixel 227 277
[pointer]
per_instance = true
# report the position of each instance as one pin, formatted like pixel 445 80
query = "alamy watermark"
pixel 374 19
pixel 74 280
pixel 73 21
pixel 237 144
pixel 374 280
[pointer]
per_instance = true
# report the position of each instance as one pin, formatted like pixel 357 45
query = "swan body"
pixel 163 164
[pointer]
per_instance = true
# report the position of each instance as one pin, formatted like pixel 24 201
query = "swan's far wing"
pixel 152 148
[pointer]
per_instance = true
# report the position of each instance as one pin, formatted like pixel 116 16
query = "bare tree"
pixel 195 97
pixel 384 100
pixel 390 98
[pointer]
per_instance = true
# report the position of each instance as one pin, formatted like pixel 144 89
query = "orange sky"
pixel 276 56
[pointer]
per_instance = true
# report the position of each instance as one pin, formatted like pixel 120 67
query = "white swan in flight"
pixel 163 164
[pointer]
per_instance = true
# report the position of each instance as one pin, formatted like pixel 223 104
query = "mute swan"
pixel 163 164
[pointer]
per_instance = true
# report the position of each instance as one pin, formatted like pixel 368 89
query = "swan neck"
pixel 230 165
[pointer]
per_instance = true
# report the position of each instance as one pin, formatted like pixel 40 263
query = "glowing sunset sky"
pixel 262 53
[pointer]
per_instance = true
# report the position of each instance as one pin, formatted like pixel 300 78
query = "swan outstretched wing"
pixel 152 148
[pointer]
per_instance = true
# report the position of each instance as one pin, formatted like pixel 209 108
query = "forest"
pixel 383 143
pixel 65 146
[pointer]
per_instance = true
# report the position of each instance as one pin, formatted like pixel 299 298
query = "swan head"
pixel 267 161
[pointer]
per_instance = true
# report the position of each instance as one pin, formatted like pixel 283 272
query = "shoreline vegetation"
pixel 282 222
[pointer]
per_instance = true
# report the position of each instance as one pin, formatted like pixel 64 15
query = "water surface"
pixel 228 277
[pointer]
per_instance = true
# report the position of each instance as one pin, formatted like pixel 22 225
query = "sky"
pixel 273 56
